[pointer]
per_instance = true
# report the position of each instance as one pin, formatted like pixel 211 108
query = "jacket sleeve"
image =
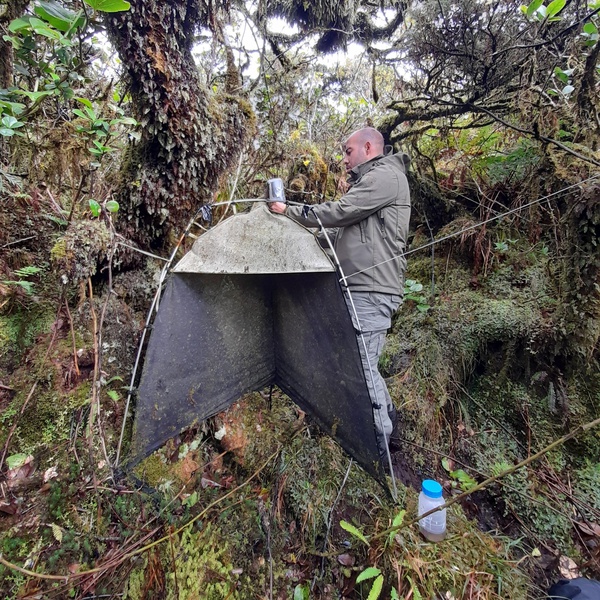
pixel 368 196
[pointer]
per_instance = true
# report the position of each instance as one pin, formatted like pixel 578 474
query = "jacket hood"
pixel 400 160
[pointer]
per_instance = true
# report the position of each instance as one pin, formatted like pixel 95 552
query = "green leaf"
pixel 17 25
pixel 6 132
pixel 127 121
pixel 100 149
pixel 16 460
pixel 91 113
pixel 368 573
pixel 590 28
pixel 56 220
pixel 10 121
pixel 302 592
pixel 80 113
pixel 394 594
pixel 465 480
pixel 533 7
pixel 113 395
pixel 85 102
pixel 354 531
pixel 57 532
pixel 398 520
pixel 33 96
pixel 562 75
pixel 26 285
pixel 108 5
pixel 191 500
pixel 42 28
pixel 16 44
pixel 376 589
pixel 14 107
pixel 415 589
pixel 555 7
pixel 58 16
pixel 112 206
pixel 27 271
pixel 95 207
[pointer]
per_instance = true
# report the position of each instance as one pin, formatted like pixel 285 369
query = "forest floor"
pixel 273 508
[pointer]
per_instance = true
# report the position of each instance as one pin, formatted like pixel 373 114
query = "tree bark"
pixel 9 10
pixel 190 136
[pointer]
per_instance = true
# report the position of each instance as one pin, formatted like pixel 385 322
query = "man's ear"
pixel 368 148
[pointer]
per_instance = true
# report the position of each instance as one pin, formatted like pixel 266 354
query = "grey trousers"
pixel 374 311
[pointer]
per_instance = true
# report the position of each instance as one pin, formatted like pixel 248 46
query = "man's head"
pixel 361 146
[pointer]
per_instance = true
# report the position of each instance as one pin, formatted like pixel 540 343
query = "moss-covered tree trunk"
pixel 190 136
pixel 9 10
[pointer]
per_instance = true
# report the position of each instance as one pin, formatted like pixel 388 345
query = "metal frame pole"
pixel 362 337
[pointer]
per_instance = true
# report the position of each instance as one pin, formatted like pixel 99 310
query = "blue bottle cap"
pixel 431 488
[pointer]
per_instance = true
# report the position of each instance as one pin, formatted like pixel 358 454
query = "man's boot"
pixel 395 442
pixel 383 457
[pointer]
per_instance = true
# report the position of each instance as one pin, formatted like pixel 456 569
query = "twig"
pixel 143 252
pixel 502 483
pixel 96 373
pixel 76 197
pixel 113 563
pixel 330 519
pixel 581 429
pixel 233 188
pixel 75 361
pixel 19 241
pixel 109 292
pixel 57 209
pixel 174 564
pixel 538 136
pixel 5 387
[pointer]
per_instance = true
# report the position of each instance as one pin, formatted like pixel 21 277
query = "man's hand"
pixel 277 207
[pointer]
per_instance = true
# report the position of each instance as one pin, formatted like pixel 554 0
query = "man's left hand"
pixel 277 207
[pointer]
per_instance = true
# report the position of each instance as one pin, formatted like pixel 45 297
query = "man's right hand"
pixel 277 207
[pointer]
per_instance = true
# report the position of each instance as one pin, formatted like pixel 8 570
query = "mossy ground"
pixel 478 377
pixel 281 524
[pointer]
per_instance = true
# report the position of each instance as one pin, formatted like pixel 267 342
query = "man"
pixel 370 228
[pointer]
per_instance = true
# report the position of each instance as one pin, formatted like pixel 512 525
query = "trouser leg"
pixel 380 397
pixel 374 312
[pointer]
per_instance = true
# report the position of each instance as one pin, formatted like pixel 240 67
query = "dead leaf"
pixel 588 528
pixel 346 559
pixel 187 467
pixel 24 470
pixel 206 483
pixel 10 508
pixel 568 568
pixel 50 473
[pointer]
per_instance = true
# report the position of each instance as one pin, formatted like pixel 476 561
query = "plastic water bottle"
pixel 433 527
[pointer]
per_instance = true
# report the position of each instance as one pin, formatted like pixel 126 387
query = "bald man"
pixel 369 228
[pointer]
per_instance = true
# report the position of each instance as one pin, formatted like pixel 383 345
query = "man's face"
pixel 355 152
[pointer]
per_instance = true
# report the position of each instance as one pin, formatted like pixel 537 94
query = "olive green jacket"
pixel 371 224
